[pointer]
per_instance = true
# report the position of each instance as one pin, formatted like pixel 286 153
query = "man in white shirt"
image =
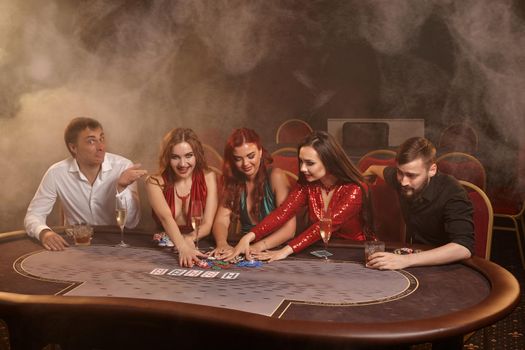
pixel 87 184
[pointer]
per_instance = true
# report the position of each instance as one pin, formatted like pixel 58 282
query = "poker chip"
pixel 162 240
pixel 203 264
pixel 215 264
pixel 249 263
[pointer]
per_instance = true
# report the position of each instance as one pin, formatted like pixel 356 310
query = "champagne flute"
pixel 121 212
pixel 325 229
pixel 196 219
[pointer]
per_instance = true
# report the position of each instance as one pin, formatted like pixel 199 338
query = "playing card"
pixel 230 276
pixel 210 274
pixel 321 253
pixel 193 273
pixel 158 271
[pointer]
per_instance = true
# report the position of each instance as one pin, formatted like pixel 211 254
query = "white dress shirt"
pixel 81 201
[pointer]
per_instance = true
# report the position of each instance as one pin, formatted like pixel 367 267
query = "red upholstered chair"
pixel 458 137
pixel 388 219
pixel 292 131
pixel 286 159
pixel 483 219
pixel 463 167
pixel 377 157
pixel 515 212
pixel 215 161
pixel 213 158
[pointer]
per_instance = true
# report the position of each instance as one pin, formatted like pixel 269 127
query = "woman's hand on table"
pixel 188 255
pixel 221 250
pixel 273 255
pixel 243 247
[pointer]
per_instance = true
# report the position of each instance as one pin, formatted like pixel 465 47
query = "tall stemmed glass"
pixel 196 219
pixel 325 228
pixel 121 211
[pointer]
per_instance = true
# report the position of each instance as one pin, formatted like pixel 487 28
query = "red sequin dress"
pixel 345 205
pixel 198 192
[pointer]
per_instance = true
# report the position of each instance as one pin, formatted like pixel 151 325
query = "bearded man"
pixel 436 208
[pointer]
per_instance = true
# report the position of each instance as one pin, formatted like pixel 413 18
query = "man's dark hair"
pixel 76 126
pixel 414 148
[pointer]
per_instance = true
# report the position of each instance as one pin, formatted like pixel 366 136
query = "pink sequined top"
pixel 345 207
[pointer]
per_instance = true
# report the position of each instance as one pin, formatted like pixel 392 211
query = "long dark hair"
pixel 339 165
pixel 234 181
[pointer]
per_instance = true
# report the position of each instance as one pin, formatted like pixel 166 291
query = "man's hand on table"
pixel 388 261
pixel 52 240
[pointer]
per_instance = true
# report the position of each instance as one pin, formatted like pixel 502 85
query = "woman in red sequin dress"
pixel 328 181
pixel 183 177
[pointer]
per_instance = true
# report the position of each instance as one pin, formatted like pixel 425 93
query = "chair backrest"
pixel 361 137
pixel 378 157
pixel 213 158
pixel 286 159
pixel 220 179
pixel 463 167
pixel 458 137
pixel 388 218
pixel 483 219
pixel 506 200
pixel 292 131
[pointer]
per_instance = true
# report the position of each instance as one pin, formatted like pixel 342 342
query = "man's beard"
pixel 412 194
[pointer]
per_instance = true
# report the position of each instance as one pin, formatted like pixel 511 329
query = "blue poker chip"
pixel 249 263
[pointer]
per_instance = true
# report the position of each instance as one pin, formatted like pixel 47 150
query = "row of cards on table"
pixel 195 273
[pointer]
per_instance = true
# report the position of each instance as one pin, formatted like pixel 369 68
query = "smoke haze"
pixel 144 67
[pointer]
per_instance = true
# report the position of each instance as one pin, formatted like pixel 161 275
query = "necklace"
pixel 327 189
pixel 182 198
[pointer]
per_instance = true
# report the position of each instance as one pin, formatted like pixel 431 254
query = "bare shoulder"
pixel 209 175
pixel 277 174
pixel 278 179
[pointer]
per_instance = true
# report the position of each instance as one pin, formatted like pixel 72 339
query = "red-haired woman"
pixel 251 190
pixel 328 181
pixel 183 178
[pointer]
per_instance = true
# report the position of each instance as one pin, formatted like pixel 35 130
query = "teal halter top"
pixel 268 205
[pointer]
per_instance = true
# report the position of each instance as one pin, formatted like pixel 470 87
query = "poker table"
pixel 106 297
